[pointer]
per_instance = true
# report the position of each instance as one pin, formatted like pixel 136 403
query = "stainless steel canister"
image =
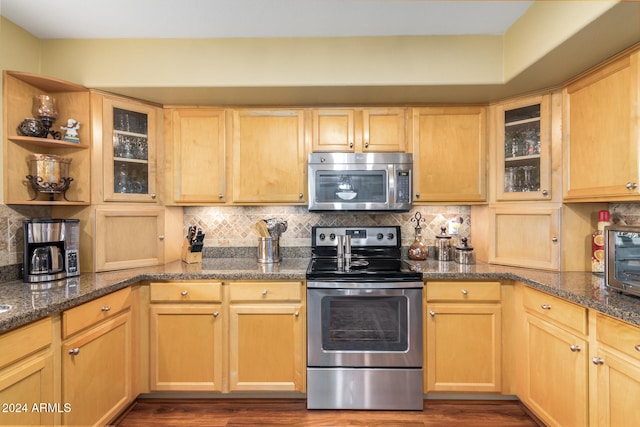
pixel 443 245
pixel 464 253
pixel 268 250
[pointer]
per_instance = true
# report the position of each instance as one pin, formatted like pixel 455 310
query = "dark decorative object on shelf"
pixel 32 127
pixel 46 109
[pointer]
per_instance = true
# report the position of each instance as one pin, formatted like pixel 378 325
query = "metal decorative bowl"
pixel 32 127
pixel 49 174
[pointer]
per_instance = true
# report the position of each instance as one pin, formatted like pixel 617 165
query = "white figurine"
pixel 71 129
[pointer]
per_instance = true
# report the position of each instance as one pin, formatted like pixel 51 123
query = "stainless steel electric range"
pixel 364 323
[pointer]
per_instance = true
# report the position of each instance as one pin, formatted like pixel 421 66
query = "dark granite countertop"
pixel 31 302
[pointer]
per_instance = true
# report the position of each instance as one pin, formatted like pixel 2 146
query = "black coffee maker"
pixel 50 249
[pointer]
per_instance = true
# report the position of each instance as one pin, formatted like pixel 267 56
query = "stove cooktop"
pixel 362 269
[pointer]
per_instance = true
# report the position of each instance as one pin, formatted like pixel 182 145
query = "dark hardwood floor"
pixel 293 412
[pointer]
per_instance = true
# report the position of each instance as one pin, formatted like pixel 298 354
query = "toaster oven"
pixel 622 258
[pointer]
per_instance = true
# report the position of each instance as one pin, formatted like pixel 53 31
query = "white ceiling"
pixel 49 19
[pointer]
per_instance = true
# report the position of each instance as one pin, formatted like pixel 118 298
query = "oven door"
pixel 364 327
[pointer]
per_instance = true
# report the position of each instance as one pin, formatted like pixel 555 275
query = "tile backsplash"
pixel 231 226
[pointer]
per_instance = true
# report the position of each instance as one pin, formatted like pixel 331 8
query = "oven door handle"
pixel 375 292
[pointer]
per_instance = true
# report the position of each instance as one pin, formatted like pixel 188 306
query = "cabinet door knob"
pixel 105 308
pixel 554 239
pixel 417 195
pixel 631 186
pixel 366 144
pixel 220 196
pixel 297 314
pixel 637 347
pixel 74 351
pixel 465 292
pixel 545 307
pixel 264 292
pixel 575 348
pixel 432 313
pixel 597 361
pixel 161 237
pixel 153 195
pixel 300 196
pixel 184 293
pixel 216 314
pixel 350 144
pixel 545 193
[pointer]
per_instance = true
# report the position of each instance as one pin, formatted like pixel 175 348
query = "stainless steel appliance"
pixel 622 258
pixel 360 181
pixel 364 322
pixel 51 249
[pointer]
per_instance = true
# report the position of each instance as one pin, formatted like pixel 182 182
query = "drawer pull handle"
pixel 432 313
pixel 184 293
pixel 264 292
pixel 545 307
pixel 216 314
pixel 465 292
pixel 74 351
pixel 575 348
pixel 106 308
pixel 597 361
pixel 637 347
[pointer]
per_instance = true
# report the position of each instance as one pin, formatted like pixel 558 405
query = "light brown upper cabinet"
pixel 72 102
pixel 126 142
pixel 269 156
pixel 196 151
pixel 359 130
pixel 522 134
pixel 449 154
pixel 602 132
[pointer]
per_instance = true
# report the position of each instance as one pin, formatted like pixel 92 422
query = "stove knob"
pixel 380 236
pixel 322 236
pixel 332 236
pixel 390 236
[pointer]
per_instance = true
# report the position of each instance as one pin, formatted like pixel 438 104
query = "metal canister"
pixel 268 250
pixel 463 254
pixel 443 245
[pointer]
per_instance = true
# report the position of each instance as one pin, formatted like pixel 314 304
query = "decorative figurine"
pixel 418 250
pixel 71 129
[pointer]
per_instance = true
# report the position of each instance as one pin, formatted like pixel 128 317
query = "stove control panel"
pixel 360 236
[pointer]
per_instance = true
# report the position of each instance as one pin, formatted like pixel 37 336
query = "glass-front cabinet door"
pixel 129 147
pixel 524 152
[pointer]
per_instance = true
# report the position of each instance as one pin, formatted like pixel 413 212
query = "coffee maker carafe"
pixel 50 249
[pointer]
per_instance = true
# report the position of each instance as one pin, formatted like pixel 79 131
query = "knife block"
pixel 188 256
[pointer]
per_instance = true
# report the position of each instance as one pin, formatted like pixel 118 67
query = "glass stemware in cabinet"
pixel 522 149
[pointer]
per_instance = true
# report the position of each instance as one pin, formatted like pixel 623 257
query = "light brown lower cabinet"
pixel 240 336
pixel 464 338
pixel 186 336
pixel 97 359
pixel 554 382
pixel 266 336
pixel 615 373
pixel 27 377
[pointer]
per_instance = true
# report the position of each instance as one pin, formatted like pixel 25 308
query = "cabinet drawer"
pixel 27 339
pixel 556 310
pixel 95 311
pixel 463 291
pixel 618 335
pixel 186 291
pixel 265 291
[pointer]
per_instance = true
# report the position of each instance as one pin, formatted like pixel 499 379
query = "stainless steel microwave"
pixel 622 258
pixel 360 181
